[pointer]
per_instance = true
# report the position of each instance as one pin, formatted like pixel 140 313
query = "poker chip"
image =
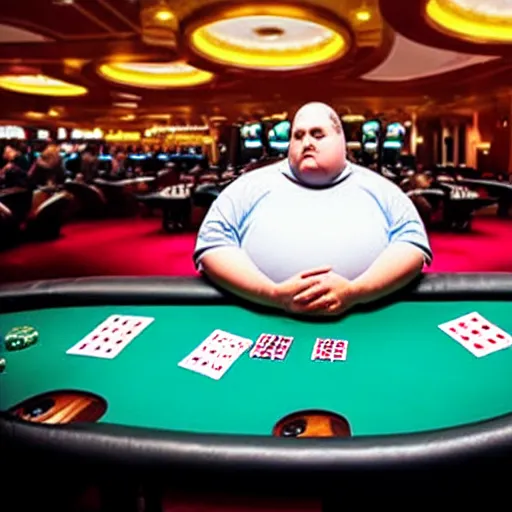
pixel 3 364
pixel 22 337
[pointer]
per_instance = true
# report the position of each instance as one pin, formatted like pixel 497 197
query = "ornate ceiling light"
pixel 41 85
pixel 158 23
pixel 268 37
pixel 155 75
pixel 474 20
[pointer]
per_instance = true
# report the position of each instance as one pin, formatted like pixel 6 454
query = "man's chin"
pixel 314 176
pixel 309 165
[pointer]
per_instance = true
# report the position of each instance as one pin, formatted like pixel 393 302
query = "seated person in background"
pixel 14 172
pixel 88 167
pixel 48 169
pixel 119 170
pixel 313 234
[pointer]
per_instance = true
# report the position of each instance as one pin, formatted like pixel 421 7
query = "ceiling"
pixel 392 60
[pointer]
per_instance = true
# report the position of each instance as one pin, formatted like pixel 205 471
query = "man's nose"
pixel 307 142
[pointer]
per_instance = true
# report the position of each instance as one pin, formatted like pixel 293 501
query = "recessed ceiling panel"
pixel 10 34
pixel 409 61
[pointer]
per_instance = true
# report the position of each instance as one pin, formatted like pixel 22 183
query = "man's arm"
pixel 404 258
pixel 397 266
pixel 233 270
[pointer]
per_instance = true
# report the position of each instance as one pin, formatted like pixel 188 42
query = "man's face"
pixel 9 153
pixel 317 151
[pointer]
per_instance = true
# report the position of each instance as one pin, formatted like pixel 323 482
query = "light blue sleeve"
pixel 221 225
pixel 406 224
pixel 228 217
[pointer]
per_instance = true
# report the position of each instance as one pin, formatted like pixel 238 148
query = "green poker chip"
pixel 22 337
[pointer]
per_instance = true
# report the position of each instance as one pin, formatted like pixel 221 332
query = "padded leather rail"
pixel 107 445
pixel 196 290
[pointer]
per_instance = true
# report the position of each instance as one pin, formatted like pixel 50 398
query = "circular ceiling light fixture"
pixel 155 75
pixel 363 15
pixel 164 15
pixel 41 85
pixel 473 20
pixel 268 37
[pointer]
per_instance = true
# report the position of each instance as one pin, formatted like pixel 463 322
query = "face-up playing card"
pixel 477 334
pixel 215 355
pixel 271 346
pixel 109 338
pixel 327 349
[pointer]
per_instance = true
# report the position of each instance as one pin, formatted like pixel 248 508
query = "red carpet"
pixel 487 248
pixel 139 247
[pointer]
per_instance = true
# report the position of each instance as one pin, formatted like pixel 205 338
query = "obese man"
pixel 313 234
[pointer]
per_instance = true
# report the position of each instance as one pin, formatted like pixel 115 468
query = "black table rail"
pixel 121 290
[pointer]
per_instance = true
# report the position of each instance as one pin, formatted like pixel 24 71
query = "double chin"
pixel 315 176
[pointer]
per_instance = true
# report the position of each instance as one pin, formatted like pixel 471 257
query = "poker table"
pixel 502 191
pixel 175 201
pixel 418 407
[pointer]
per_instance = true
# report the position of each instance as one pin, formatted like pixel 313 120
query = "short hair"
pixel 336 122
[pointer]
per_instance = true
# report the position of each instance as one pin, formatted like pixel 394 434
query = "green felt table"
pixel 402 373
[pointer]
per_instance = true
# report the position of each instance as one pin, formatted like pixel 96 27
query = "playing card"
pixel 271 346
pixel 328 349
pixel 477 334
pixel 215 355
pixel 109 338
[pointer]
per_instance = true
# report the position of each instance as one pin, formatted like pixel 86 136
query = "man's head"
pixel 10 153
pixel 317 152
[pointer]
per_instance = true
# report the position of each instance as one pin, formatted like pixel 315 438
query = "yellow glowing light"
pixel 285 59
pixel 244 50
pixel 353 118
pixel 40 84
pixel 34 115
pixel 188 129
pixel 363 15
pixel 468 24
pixel 155 75
pixel 121 136
pixel 78 134
pixel 53 113
pixel 164 15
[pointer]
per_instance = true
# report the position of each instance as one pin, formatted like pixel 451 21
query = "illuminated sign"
pixel 62 134
pixel 279 135
pixel 251 135
pixel 156 130
pixel 12 132
pixel 121 136
pixel 395 133
pixel 43 134
pixel 87 134
pixel 371 131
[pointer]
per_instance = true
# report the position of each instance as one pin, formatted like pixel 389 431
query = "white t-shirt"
pixel 287 227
